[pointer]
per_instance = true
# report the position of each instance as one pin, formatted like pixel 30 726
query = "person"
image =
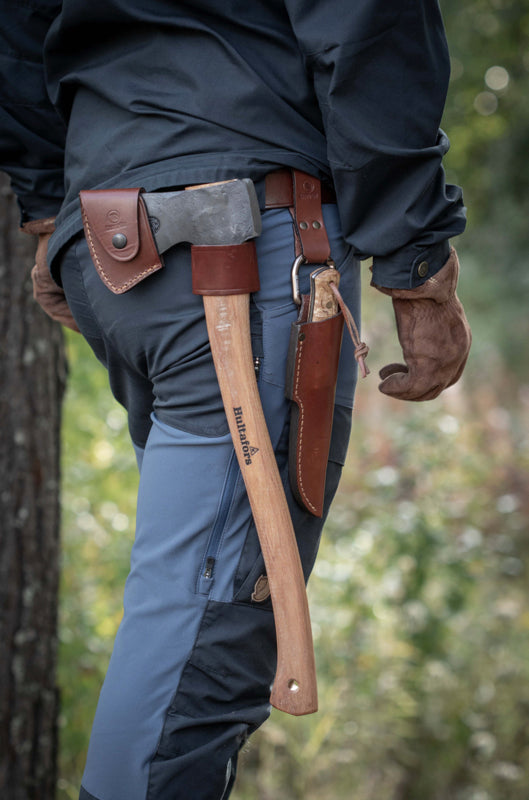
pixel 164 95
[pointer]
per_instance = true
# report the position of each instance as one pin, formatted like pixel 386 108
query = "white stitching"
pixel 300 434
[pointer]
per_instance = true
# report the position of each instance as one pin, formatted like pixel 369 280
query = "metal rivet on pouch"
pixel 423 268
pixel 303 225
pixel 316 225
pixel 119 240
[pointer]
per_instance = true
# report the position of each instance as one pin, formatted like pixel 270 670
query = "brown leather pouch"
pixel 312 372
pixel 119 236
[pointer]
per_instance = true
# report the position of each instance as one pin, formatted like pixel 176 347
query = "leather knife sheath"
pixel 312 371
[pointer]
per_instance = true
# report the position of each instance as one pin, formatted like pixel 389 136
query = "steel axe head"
pixel 222 213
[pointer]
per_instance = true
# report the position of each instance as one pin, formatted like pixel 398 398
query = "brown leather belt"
pixel 279 190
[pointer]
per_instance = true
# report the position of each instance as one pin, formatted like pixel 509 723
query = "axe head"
pixel 224 213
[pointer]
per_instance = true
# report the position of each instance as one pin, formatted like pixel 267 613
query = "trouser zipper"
pixel 210 559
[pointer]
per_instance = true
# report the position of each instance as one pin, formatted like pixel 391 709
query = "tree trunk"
pixel 32 379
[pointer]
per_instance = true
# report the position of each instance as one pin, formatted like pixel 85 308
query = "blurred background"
pixel 419 595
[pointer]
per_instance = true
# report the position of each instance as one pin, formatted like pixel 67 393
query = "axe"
pixel 221 221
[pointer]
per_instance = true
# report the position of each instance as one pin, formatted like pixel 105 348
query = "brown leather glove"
pixel 48 295
pixel 434 335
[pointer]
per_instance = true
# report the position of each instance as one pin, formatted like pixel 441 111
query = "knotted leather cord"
pixel 361 348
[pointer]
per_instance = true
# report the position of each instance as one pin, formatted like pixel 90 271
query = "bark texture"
pixel 32 379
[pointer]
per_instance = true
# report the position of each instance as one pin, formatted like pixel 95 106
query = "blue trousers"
pixel 194 657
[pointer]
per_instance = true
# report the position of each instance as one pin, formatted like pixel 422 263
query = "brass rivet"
pixel 303 225
pixel 423 268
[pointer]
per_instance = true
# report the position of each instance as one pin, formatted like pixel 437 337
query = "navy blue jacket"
pixel 158 94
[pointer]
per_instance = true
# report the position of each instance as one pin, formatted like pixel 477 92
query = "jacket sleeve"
pixel 31 132
pixel 381 71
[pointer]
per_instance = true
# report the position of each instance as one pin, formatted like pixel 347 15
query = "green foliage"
pixel 98 498
pixel 420 616
pixel 487 120
pixel 487 113
pixel 418 601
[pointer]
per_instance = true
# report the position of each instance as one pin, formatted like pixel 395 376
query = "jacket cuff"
pixel 409 267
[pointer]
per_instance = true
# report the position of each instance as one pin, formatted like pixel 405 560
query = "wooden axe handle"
pixel 227 317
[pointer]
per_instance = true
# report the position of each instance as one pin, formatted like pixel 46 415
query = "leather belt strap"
pixel 302 194
pixel 279 190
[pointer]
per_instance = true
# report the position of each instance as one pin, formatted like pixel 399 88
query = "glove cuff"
pixel 35 227
pixel 441 287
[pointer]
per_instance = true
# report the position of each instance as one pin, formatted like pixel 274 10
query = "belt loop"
pixel 312 241
pixel 302 194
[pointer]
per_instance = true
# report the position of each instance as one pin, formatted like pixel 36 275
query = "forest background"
pixel 419 596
